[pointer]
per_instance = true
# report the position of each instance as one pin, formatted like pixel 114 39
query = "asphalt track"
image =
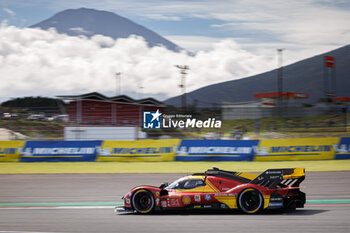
pixel 110 187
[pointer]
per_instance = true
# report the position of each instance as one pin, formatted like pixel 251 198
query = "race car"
pixel 220 189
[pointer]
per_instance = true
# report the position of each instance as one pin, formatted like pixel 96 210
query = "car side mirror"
pixel 163 185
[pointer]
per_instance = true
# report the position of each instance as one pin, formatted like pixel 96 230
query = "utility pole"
pixel 280 81
pixel 118 79
pixel 280 71
pixel 183 73
pixel 140 87
pixel 329 77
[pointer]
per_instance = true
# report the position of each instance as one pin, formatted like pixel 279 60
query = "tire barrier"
pixel 296 149
pixel 143 150
pixel 216 150
pixel 176 150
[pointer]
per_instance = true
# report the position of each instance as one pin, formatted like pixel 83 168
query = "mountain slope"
pixel 305 76
pixel 89 22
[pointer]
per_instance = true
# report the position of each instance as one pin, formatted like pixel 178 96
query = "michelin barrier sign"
pixel 343 149
pixel 175 149
pixel 145 150
pixel 60 151
pixel 296 149
pixel 216 150
pixel 10 150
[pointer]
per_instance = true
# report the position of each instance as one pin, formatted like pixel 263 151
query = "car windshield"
pixel 186 183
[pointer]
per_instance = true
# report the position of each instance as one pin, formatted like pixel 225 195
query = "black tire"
pixel 143 201
pixel 250 201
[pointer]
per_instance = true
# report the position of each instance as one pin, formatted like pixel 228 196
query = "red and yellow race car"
pixel 219 189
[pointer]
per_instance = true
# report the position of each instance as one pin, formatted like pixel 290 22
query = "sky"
pixel 229 39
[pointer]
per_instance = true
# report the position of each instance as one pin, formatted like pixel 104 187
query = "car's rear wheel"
pixel 250 201
pixel 143 201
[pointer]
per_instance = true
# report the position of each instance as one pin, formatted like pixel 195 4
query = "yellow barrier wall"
pixel 145 150
pixel 10 150
pixel 296 149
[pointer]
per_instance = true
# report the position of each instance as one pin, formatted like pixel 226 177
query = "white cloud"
pixel 35 62
pixel 194 43
pixel 9 11
pixel 80 30
pixel 297 23
pixel 163 17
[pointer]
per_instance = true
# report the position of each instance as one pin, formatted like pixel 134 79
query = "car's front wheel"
pixel 250 201
pixel 143 201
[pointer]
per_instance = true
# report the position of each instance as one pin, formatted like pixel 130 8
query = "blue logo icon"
pixel 207 197
pixel 152 120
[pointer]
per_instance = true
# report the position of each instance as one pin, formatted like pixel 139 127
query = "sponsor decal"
pixel 197 198
pixel 343 149
pixel 143 150
pixel 157 201
pixel 136 150
pixel 223 195
pixel 10 150
pixel 293 149
pixel 274 172
pixel 56 151
pixel 186 200
pixel 216 150
pixel 157 194
pixel 28 151
pixel 276 199
pixel 207 197
pixel 164 204
pixel 296 148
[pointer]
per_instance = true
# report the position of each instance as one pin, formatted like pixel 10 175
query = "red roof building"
pixel 289 95
pixel 268 99
pixel 97 109
pixel 341 99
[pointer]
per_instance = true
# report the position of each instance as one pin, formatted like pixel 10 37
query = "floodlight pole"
pixel 280 81
pixel 140 86
pixel 183 73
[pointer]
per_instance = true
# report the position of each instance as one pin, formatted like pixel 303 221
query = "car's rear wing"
pixel 280 178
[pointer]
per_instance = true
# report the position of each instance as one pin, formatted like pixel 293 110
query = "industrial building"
pixel 97 109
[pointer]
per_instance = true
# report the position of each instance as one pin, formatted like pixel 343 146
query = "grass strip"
pixel 165 167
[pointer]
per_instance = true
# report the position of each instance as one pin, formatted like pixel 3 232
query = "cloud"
pixel 295 23
pixel 9 11
pixel 298 23
pixel 36 62
pixel 163 17
pixel 80 30
pixel 196 43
